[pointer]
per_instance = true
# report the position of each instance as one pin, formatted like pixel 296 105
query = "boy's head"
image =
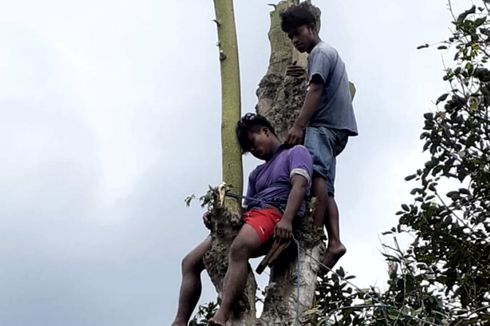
pixel 256 135
pixel 302 23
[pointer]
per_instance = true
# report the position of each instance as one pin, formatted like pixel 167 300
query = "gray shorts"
pixel 324 144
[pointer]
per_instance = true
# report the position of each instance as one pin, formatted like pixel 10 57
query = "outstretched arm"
pixel 284 229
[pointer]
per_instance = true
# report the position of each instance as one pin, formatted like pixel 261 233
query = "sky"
pixel 110 117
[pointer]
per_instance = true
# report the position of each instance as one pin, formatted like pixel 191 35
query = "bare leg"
pixel 245 246
pixel 319 191
pixel 335 248
pixel 190 289
pixel 327 213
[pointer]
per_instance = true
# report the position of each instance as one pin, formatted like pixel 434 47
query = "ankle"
pixel 334 243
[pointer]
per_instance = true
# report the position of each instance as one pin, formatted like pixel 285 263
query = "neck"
pixel 315 42
pixel 274 147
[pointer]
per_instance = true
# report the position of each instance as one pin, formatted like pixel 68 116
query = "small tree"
pixel 452 228
pixel 444 276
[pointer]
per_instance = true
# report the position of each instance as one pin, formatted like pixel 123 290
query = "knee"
pixel 321 199
pixel 319 189
pixel 238 251
pixel 192 264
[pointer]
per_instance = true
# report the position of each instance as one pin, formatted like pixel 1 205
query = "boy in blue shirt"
pixel 326 119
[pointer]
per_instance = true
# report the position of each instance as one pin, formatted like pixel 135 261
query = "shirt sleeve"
pixel 319 65
pixel 300 163
pixel 250 188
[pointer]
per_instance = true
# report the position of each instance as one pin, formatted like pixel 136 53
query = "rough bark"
pixel 226 212
pixel 279 98
pixel 292 282
pixel 225 224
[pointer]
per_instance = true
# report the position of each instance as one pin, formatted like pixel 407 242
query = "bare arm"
pixel 312 101
pixel 284 229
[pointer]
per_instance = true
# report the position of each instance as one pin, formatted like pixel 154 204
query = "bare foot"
pixel 332 255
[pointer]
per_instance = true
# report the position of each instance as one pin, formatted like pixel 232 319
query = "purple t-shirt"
pixel 270 183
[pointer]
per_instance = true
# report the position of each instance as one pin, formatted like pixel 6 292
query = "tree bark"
pixel 225 224
pixel 226 212
pixel 276 89
pixel 293 278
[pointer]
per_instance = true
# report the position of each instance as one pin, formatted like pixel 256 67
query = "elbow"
pixel 301 189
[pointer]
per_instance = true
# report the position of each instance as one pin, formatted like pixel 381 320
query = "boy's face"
pixel 303 38
pixel 261 145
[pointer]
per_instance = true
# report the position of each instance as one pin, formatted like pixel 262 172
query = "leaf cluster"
pixel 204 313
pixel 443 278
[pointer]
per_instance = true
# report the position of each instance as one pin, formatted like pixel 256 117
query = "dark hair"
pixel 250 122
pixel 301 14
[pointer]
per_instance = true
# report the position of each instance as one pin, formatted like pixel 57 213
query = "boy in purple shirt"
pixel 274 198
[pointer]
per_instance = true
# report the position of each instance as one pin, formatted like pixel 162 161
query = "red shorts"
pixel 263 221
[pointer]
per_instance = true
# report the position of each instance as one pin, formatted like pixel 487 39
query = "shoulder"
pixel 323 49
pixel 254 172
pixel 300 162
pixel 298 151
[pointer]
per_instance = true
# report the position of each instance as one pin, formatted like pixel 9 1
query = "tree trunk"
pixel 225 224
pixel 280 97
pixel 293 278
pixel 226 212
pixel 230 93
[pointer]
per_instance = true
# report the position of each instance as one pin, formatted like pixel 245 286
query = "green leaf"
pixel 453 195
pixel 189 199
pixel 441 98
pixel 480 21
pixel 464 191
pixel 465 14
pixel 340 271
pixel 410 177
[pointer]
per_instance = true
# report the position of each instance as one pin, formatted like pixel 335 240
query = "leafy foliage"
pixel 444 276
pixel 204 313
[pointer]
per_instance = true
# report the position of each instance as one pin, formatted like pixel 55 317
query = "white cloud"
pixel 110 118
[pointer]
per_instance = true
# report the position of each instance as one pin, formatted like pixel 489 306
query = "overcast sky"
pixel 110 117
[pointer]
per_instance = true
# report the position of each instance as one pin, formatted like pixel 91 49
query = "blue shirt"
pixel 335 110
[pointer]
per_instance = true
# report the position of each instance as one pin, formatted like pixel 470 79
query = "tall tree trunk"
pixel 225 225
pixel 280 97
pixel 293 278
pixel 226 212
